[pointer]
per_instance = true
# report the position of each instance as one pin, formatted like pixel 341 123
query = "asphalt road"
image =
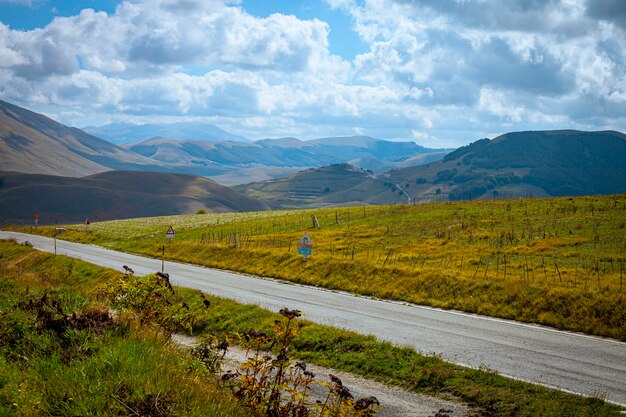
pixel 567 361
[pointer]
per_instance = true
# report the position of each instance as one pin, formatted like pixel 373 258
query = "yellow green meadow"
pixel 557 261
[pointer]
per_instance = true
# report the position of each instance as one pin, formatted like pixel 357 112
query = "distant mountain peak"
pixel 123 133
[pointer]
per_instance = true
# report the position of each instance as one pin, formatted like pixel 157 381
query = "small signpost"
pixel 86 223
pixel 305 246
pixel 57 231
pixel 36 220
pixel 169 235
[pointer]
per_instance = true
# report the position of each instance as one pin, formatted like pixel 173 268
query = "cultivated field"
pixel 558 261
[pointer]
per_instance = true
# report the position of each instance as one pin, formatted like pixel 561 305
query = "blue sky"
pixel 439 72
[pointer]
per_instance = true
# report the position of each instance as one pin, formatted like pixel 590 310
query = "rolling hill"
pixel 33 143
pixel 337 184
pixel 533 163
pixel 113 195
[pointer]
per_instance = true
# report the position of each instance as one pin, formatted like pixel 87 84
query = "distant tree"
pixel 446 175
pixel 327 190
pixel 438 191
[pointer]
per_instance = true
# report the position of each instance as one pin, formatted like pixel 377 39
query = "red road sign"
pixel 36 216
pixel 87 220
pixel 170 233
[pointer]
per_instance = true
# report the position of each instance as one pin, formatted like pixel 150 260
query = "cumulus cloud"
pixel 448 69
pixel 498 63
pixel 610 10
pixel 136 58
pixel 161 34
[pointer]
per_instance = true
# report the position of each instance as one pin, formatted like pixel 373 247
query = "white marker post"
pixel 86 223
pixel 57 231
pixel 36 220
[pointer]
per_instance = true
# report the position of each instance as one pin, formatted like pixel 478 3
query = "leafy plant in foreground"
pixel 152 300
pixel 277 387
pixel 270 386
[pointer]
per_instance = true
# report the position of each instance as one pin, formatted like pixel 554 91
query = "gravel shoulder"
pixel 395 401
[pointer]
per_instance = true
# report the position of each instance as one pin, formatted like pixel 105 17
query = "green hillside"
pixel 338 184
pixel 543 163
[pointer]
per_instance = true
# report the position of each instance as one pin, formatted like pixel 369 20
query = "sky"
pixel 441 73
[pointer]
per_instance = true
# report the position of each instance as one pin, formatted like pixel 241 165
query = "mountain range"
pixel 270 157
pixel 519 164
pixel 33 143
pixel 287 172
pixel 127 133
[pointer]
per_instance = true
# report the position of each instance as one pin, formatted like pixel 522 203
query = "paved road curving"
pixel 568 361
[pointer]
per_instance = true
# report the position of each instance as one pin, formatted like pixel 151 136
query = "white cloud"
pixel 157 36
pixel 449 70
pixel 497 64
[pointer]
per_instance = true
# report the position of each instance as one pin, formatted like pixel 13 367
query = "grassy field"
pixel 62 353
pixel 97 369
pixel 558 262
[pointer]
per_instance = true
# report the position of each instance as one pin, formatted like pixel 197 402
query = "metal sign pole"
pixel 169 235
pixel 57 231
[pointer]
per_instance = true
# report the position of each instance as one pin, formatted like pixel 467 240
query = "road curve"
pixel 568 361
